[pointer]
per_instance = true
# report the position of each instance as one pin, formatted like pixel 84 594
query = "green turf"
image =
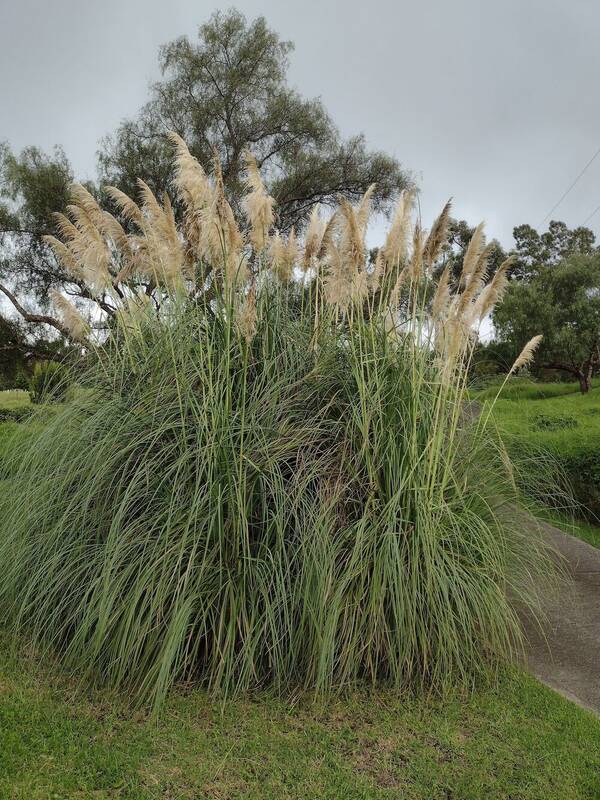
pixel 561 422
pixel 525 389
pixel 16 398
pixel 519 740
pixel 558 420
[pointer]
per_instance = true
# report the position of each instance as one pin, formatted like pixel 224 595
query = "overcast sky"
pixel 494 103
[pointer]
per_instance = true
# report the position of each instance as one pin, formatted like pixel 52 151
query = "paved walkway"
pixel 565 655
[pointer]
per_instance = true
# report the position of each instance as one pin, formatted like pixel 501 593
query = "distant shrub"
pixel 547 422
pixel 15 414
pixel 48 382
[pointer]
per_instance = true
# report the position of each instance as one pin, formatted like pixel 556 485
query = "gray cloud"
pixel 493 103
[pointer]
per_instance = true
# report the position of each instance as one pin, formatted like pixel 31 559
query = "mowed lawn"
pixel 514 739
pixel 16 398
pixel 518 740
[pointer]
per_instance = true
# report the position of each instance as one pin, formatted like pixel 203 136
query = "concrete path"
pixel 565 655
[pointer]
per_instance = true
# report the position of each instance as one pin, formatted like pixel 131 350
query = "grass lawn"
pixel 519 740
pixel 15 398
pixel 566 424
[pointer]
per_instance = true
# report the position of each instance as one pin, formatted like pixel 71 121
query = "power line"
pixel 583 171
pixel 595 211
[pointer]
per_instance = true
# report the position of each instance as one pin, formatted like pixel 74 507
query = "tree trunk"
pixel 584 381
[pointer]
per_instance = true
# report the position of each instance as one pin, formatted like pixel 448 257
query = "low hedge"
pixel 18 414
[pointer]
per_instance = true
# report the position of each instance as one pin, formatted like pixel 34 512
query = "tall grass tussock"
pixel 270 474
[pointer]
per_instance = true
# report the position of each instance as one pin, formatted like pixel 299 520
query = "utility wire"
pixel 595 211
pixel 583 171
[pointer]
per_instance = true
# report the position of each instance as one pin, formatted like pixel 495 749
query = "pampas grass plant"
pixel 270 474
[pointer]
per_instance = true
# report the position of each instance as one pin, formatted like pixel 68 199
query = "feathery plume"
pixel 493 293
pixel 71 318
pixel 437 236
pixel 396 243
pixel 277 256
pixel 328 233
pixel 191 181
pixel 221 242
pixel 64 255
pixel 415 265
pixel 475 283
pixel 527 354
pixel 441 298
pixel 313 238
pixel 258 205
pixel 472 254
pixel 247 317
pixel 128 207
pixel 363 210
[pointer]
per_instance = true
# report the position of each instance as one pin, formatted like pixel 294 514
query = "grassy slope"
pixel 519 411
pixel 518 741
pixel 518 415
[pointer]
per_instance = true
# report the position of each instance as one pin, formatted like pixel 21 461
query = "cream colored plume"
pixel 258 205
pixel 363 211
pixel 283 255
pixel 441 298
pixel 527 353
pixel 161 254
pixel 221 243
pixel 313 238
pixel 191 181
pixel 352 251
pixel 493 293
pixel 395 249
pixel 247 317
pixel 472 254
pixel 71 318
pixel 65 256
pixel 87 246
pixel 437 236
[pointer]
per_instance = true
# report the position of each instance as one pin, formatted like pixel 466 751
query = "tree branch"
pixel 40 318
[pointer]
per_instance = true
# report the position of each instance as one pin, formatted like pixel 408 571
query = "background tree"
pixel 563 303
pixel 229 91
pixel 534 250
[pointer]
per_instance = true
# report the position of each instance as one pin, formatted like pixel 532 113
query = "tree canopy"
pixel 228 91
pixel 562 302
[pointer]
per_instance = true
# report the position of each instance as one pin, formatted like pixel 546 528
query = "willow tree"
pixel 228 91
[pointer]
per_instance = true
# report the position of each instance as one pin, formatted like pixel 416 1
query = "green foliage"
pixel 534 250
pixel 48 382
pixel 524 389
pixel 504 742
pixel 544 422
pixel 563 303
pixel 14 414
pixel 229 90
pixel 33 186
pixel 311 508
pixel 575 445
